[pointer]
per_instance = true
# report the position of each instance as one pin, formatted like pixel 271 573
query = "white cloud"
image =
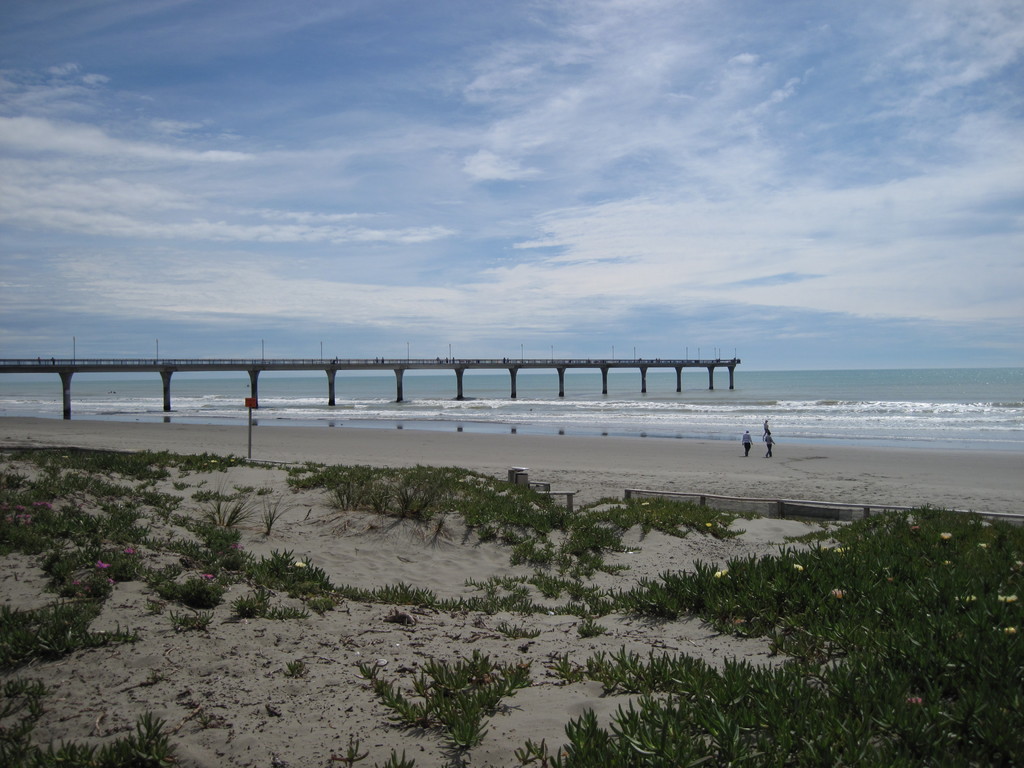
pixel 486 166
pixel 33 134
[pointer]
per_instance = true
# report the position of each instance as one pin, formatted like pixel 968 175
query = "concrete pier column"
pixel 399 372
pixel 330 386
pixel 166 376
pixel 679 378
pixel 643 379
pixel 711 377
pixel 65 381
pixel 458 383
pixel 512 373
pixel 561 382
pixel 604 380
pixel 732 381
pixel 254 389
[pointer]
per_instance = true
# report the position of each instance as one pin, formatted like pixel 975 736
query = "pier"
pixel 66 368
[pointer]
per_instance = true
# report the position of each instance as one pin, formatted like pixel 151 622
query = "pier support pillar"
pixel 512 373
pixel 458 383
pixel 711 377
pixel 643 379
pixel 65 381
pixel 399 372
pixel 604 380
pixel 732 381
pixel 254 390
pixel 330 386
pixel 166 376
pixel 561 382
pixel 679 378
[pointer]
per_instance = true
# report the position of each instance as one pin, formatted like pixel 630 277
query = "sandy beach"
pixel 596 467
pixel 224 693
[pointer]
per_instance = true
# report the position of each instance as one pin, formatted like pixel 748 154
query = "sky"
pixel 801 184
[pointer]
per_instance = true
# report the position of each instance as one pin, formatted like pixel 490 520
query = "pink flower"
pixel 101 564
pixel 915 700
pixel 128 550
pixel 209 576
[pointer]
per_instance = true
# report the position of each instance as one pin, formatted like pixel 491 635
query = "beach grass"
pixel 900 635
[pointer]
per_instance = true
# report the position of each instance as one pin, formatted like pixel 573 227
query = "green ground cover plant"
pixel 899 637
pixel 904 647
pixel 453 697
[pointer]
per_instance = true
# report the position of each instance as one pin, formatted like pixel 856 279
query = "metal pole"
pixel 250 434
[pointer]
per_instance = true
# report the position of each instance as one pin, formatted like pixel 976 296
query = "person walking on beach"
pixel 766 430
pixel 746 442
pixel 769 441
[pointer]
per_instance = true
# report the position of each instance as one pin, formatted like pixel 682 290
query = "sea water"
pixel 943 408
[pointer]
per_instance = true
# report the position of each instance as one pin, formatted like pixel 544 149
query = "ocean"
pixel 936 408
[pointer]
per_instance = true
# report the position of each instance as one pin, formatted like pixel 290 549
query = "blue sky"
pixel 806 184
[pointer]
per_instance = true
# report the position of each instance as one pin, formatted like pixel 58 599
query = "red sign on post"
pixel 250 402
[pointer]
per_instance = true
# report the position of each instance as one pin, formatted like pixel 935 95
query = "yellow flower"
pixel 1010 630
pixel 837 594
pixel 983 545
pixel 710 525
pixel 721 573
pixel 969 599
pixel 1007 598
pixel 299 564
pixel 797 567
pixel 945 536
pixel 947 562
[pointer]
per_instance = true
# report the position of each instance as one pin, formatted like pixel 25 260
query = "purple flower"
pixel 101 564
pixel 128 550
